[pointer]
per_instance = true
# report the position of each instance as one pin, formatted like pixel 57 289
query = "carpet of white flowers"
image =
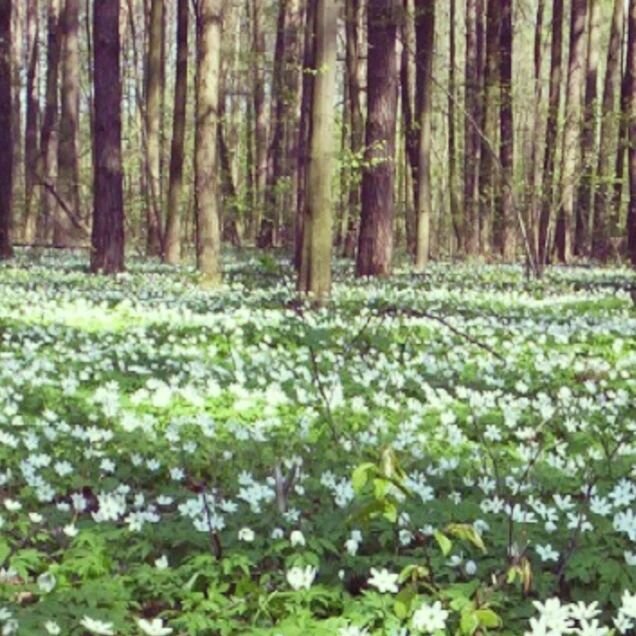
pixel 442 453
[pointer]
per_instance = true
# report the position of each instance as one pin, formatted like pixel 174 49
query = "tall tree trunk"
pixel 585 197
pixel 353 13
pixel 31 125
pixel 453 199
pixel 260 112
pixel 154 82
pixel 17 20
pixel 489 124
pixel 315 271
pixel 631 118
pixel 425 35
pixel 609 137
pixel 107 239
pixel 549 161
pixel 472 140
pixel 209 28
pixel 49 134
pixel 375 248
pixel 175 187
pixel 6 138
pixel 504 234
pixel 571 148
pixel 304 135
pixel 64 232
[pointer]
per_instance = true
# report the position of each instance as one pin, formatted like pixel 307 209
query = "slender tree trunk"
pixel 631 118
pixel 107 239
pixel 315 271
pixel 609 137
pixel 6 138
pixel 356 118
pixel 375 248
pixel 489 124
pixel 209 28
pixel 472 141
pixel 549 161
pixel 309 65
pixel 425 35
pixel 17 20
pixel 504 234
pixel 571 147
pixel 175 187
pixel 154 81
pixel 49 134
pixel 585 197
pixel 454 205
pixel 31 125
pixel 64 232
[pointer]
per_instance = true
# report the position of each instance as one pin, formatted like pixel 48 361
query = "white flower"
pixel 547 552
pixel 154 627
pixel 46 582
pixel 628 608
pixel 352 630
pixel 630 557
pixel 100 628
pixel 52 628
pixel 555 615
pixel 384 580
pixel 70 530
pixel 36 517
pixel 301 578
pixel 351 545
pixel 162 562
pixel 430 618
pixel 246 534
pixel 297 538
pixel 470 568
pixel 12 505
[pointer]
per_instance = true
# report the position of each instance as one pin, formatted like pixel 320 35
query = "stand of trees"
pixel 486 129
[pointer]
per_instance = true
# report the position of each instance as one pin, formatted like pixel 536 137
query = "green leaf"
pixel 488 618
pixel 361 475
pixel 445 544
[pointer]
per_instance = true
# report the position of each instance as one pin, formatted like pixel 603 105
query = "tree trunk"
pixel 504 237
pixel 472 140
pixel 314 277
pixel 175 188
pixel 549 161
pixel 64 232
pixel 47 172
pixel 356 118
pixel 631 118
pixel 489 124
pixel 375 248
pixel 154 82
pixel 571 148
pixel 453 199
pixel 17 20
pixel 31 125
pixel 585 197
pixel 209 28
pixel 424 35
pixel 6 139
pixel 609 137
pixel 107 239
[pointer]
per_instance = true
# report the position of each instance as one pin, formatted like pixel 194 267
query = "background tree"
pixel 107 239
pixel 6 139
pixel 375 247
pixel 631 116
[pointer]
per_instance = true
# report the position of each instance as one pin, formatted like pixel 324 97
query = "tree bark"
pixel 453 199
pixel 6 138
pixel 504 237
pixel 154 83
pixel 31 124
pixel 107 238
pixel 631 118
pixel 47 172
pixel 64 232
pixel 209 28
pixel 375 248
pixel 424 35
pixel 549 161
pixel 585 197
pixel 571 149
pixel 314 276
pixel 175 187
pixel 609 137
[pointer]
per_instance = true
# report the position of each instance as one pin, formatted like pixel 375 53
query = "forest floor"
pixel 450 452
